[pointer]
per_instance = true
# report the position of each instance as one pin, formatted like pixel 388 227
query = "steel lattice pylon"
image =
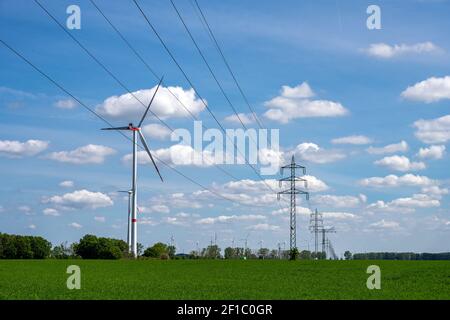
pixel 293 191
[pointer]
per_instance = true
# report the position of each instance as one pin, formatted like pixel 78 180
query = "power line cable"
pixel 110 124
pixel 118 80
pixel 203 19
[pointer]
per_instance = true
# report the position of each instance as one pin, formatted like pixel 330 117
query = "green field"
pixel 229 279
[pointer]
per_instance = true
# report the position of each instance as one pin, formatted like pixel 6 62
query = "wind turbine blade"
pixel 151 101
pixel 149 153
pixel 116 128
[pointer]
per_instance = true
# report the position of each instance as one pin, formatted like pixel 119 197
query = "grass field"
pixel 206 279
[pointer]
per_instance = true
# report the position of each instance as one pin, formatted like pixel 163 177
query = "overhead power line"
pixel 102 65
pixel 196 91
pixel 219 49
pixel 49 78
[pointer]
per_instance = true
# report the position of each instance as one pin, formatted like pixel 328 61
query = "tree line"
pixel 401 256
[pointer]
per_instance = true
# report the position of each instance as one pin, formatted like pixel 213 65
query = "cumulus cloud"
pixel 178 155
pixel 232 218
pixel 90 153
pixel 246 118
pixel 334 201
pixel 398 181
pixel 17 149
pixel 263 227
pixel 99 219
pixel 404 205
pixel 430 90
pixel 339 215
pixel 67 184
pixel 32 226
pixel 402 146
pixel 159 208
pixel 400 163
pixel 51 212
pixel 65 104
pixel 433 152
pixel 165 104
pixel 355 139
pixel 385 224
pixel 295 102
pixel 156 131
pixel 386 51
pixel 80 199
pixel 75 225
pixel 313 153
pixel 434 130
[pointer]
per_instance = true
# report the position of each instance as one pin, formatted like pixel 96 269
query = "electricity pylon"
pixel 316 226
pixel 293 191
pixel 324 239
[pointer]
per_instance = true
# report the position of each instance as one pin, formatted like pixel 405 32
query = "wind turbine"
pixel 129 192
pixel 136 130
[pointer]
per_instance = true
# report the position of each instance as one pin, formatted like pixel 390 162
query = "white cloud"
pixel 263 227
pixel 294 103
pixel 400 163
pixel 156 131
pixel 431 90
pixel 99 219
pixel 17 149
pixel 434 130
pixel 398 181
pixel 65 104
pixel 402 146
pixel 386 51
pixel 339 201
pixel 51 212
pixel 81 199
pixel 232 218
pixel 75 225
pixel 355 139
pixel 25 209
pixel 67 184
pixel 435 191
pixel 299 210
pixel 245 118
pixel 178 155
pixel 90 153
pixel 433 152
pixel 127 108
pixel 339 215
pixel 32 226
pixel 159 208
pixel 385 224
pixel 313 153
pixel 405 205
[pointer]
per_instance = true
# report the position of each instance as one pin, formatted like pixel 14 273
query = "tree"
pixel 305 255
pixel 348 255
pixel 229 253
pixel 91 247
pixel 211 252
pixel 156 251
pixel 40 247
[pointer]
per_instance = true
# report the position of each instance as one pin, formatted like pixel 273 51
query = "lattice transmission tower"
pixel 293 191
pixel 316 226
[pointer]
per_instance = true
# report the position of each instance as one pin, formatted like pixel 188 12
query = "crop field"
pixel 223 279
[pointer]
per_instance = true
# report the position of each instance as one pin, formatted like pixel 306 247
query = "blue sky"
pixel 383 187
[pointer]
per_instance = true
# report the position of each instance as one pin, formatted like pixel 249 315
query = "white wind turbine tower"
pixel 137 130
pixel 129 192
